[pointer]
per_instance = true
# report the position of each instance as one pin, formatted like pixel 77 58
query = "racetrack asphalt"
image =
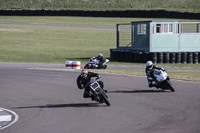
pixel 48 101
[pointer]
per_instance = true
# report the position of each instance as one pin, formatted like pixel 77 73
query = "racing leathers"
pixel 150 75
pixel 102 60
pixel 84 82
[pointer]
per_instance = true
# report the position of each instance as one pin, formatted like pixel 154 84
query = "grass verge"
pixel 188 75
pixel 34 44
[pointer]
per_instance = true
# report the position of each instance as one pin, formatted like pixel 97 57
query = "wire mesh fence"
pixel 124 35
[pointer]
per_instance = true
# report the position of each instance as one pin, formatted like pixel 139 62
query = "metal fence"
pixel 189 27
pixel 124 35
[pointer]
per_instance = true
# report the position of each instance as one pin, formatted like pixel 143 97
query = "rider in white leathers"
pixel 149 72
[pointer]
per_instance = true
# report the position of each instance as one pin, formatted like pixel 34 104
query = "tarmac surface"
pixel 48 101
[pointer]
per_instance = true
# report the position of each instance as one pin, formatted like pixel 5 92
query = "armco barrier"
pixel 155 57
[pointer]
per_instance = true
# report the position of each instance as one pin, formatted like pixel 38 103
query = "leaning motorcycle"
pixel 98 93
pixel 94 64
pixel 162 80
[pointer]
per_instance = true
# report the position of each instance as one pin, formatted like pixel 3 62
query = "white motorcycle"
pixel 162 80
pixel 94 64
pixel 98 93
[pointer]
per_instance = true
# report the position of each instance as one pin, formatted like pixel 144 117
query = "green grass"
pixel 189 75
pixel 171 5
pixel 34 44
pixel 52 44
pixel 57 44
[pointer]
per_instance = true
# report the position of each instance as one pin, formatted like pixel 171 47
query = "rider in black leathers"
pixel 83 82
pixel 149 72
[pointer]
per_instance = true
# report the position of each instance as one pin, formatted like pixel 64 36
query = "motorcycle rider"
pixel 83 82
pixel 149 72
pixel 101 59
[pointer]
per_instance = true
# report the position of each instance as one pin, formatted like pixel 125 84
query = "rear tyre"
pixel 105 100
pixel 170 86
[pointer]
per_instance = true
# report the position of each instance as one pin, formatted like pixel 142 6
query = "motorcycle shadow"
pixel 74 105
pixel 139 91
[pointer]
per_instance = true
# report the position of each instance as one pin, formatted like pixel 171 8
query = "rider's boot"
pixel 91 96
pixel 102 86
pixel 105 91
pixel 153 84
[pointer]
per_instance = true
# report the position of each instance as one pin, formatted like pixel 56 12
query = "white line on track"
pixel 7 118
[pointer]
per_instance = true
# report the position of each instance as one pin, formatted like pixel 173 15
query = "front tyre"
pixel 86 66
pixel 170 86
pixel 105 100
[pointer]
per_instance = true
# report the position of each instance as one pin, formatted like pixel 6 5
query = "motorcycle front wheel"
pixel 170 86
pixel 86 66
pixel 105 100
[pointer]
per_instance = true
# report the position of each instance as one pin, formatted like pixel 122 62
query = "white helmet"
pixel 100 55
pixel 150 64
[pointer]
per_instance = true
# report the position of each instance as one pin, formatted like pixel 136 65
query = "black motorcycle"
pixel 98 93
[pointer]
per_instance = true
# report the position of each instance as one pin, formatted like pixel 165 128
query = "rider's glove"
pixel 98 77
pixel 82 87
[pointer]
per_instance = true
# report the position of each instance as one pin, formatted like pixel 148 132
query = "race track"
pixel 48 101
